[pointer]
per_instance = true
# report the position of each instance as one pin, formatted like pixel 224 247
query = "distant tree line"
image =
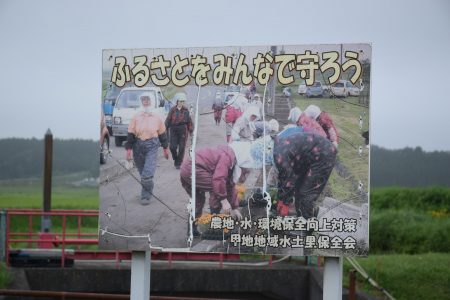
pixel 24 158
pixel 408 167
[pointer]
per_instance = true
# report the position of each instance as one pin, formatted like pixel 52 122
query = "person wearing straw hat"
pixel 146 133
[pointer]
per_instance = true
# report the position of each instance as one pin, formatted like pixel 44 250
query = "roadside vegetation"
pixel 409 245
pixel 5 276
pixel 406 276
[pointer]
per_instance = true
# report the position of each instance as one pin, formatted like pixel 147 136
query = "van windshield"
pixel 339 85
pixel 130 99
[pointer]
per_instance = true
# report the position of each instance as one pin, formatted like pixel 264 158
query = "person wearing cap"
pixel 245 126
pixel 179 124
pixel 146 133
pixel 218 170
pixel 325 121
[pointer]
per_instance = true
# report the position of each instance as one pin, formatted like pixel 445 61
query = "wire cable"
pixel 366 276
pixel 157 198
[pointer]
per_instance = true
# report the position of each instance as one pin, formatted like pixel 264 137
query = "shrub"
pixel 427 199
pixel 408 231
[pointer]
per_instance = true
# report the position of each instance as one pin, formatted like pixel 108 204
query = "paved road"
pixel 121 211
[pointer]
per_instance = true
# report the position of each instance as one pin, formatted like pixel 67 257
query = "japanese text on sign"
pixel 322 241
pixel 224 70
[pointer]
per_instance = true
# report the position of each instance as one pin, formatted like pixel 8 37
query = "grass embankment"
pixel 345 116
pixel 27 194
pixel 406 226
pixel 405 277
pixel 5 277
pixel 410 221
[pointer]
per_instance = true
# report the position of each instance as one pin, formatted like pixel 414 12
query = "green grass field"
pixel 420 276
pixel 5 277
pixel 63 197
pixel 28 194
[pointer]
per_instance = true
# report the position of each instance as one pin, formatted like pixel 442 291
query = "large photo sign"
pixel 245 149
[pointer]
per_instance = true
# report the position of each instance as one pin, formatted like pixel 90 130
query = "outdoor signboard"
pixel 281 136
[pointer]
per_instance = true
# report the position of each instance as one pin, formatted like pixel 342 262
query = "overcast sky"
pixel 51 55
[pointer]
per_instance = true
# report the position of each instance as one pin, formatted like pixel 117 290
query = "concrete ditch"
pixel 281 281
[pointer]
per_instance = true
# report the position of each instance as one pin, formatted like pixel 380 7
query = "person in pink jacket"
pixel 325 121
pixel 310 125
pixel 217 171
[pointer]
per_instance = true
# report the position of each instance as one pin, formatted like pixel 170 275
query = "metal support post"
pixel 332 278
pixel 140 275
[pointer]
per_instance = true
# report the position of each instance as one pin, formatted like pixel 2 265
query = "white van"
pixel 128 104
pixel 344 88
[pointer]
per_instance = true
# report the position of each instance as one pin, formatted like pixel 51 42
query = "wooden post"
pixel 352 285
pixel 47 204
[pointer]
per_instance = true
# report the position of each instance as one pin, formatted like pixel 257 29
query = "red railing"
pixel 55 239
pixel 49 240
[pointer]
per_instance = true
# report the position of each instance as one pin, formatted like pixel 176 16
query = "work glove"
pixel 282 209
pixel 226 207
pixel 129 154
pixel 240 188
pixel 166 153
pixel 236 214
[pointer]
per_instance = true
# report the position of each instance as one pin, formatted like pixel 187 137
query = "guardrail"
pixel 45 240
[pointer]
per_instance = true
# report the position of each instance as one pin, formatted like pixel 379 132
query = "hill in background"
pixel 24 158
pixel 408 167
